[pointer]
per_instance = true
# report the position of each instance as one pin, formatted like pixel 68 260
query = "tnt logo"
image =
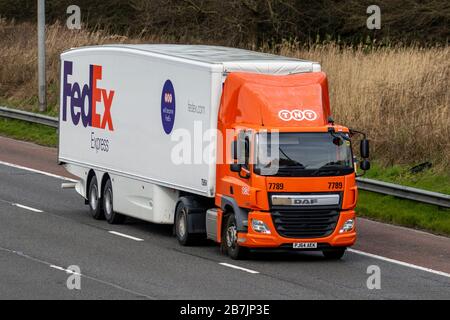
pixel 285 115
pixel 297 115
pixel 78 95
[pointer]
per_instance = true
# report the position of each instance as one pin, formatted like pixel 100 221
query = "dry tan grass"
pixel 399 96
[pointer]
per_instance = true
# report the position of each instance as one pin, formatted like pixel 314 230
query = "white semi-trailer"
pixel 130 121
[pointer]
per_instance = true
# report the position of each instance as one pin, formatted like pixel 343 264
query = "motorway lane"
pixel 158 268
pixel 23 277
pixel 394 242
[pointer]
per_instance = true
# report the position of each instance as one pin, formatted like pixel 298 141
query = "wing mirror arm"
pixel 364 149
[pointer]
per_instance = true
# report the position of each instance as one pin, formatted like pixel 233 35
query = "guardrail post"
pixel 41 56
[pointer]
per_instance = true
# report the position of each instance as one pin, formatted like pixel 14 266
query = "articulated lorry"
pixel 225 144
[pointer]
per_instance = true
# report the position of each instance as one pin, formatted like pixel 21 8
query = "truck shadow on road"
pixel 164 234
pixel 286 256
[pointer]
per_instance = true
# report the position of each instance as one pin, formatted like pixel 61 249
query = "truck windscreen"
pixel 303 154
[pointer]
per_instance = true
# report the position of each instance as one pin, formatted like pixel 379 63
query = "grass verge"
pixel 433 179
pixel 22 130
pixel 404 212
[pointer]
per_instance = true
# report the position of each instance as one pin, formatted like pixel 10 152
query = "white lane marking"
pixel 36 171
pixel 65 270
pixel 405 264
pixel 56 267
pixel 26 207
pixel 125 236
pixel 237 267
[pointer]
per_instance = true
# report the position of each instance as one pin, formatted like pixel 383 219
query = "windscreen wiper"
pixel 291 170
pixel 329 167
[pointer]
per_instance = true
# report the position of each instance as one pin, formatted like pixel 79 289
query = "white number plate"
pixel 304 245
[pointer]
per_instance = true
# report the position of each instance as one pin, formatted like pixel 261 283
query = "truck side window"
pixel 247 152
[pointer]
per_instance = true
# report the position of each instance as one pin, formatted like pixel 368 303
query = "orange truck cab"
pixel 288 181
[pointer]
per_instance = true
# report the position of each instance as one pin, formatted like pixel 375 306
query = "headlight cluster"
pixel 260 226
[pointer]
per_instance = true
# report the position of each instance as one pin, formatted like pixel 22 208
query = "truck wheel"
pixel 229 239
pixel 111 216
pixel 181 226
pixel 334 254
pixel 95 203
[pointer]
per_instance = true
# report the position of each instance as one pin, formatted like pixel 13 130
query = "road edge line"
pixel 36 171
pixel 238 268
pixel 402 263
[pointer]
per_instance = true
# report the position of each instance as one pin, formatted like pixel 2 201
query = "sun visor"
pixel 277 101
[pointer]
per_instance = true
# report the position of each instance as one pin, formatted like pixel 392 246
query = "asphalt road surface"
pixel 45 229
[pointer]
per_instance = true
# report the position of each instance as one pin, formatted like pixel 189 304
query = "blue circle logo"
pixel 168 107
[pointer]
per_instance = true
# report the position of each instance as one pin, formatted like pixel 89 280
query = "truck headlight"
pixel 348 226
pixel 260 227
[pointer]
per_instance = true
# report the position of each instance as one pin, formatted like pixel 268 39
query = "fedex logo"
pixel 77 95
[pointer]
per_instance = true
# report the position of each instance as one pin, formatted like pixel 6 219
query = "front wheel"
pixel 229 239
pixel 111 216
pixel 334 254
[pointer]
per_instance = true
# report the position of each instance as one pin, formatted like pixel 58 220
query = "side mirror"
pixel 365 165
pixel 234 151
pixel 364 149
pixel 239 154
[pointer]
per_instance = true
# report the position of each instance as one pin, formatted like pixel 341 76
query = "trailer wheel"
pixel 181 226
pixel 111 216
pixel 229 239
pixel 334 254
pixel 94 201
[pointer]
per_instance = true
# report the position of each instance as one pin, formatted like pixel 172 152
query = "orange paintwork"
pixel 253 102
pixel 257 240
pixel 257 99
pixel 219 225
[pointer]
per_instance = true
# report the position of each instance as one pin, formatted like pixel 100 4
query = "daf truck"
pixel 225 144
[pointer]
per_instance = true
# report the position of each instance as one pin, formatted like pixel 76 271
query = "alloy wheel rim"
pixel 108 204
pixel 94 197
pixel 182 223
pixel 231 236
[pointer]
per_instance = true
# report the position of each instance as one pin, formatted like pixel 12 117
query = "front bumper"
pixel 253 239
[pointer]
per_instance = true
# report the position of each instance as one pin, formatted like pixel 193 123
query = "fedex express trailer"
pixel 130 121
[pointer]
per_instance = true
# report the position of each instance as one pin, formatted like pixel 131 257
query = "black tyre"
pixel 229 240
pixel 111 216
pixel 334 254
pixel 184 237
pixel 94 201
